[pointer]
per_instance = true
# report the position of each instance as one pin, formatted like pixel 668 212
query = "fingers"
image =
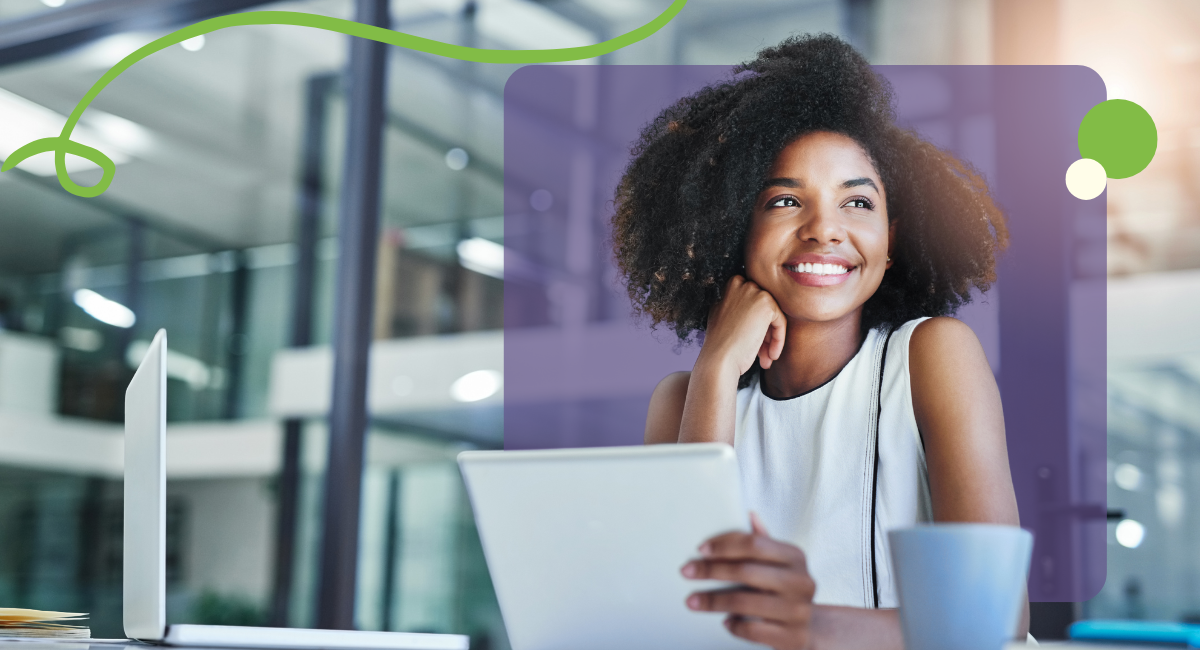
pixel 769 633
pixel 762 577
pixel 756 525
pixel 764 354
pixel 745 602
pixel 777 333
pixel 746 546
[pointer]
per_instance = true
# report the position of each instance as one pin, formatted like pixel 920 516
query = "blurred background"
pixel 223 143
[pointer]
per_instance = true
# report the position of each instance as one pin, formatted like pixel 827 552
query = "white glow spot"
pixel 477 385
pixel 1127 476
pixel 1086 179
pixel 1171 504
pixel 194 44
pixel 482 256
pixel 457 159
pixel 1130 533
pixel 541 200
pixel 103 309
pixel 54 4
pixel 127 135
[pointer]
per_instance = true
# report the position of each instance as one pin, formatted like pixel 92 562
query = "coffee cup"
pixel 960 585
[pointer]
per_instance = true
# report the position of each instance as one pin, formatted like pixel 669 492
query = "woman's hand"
pixel 700 406
pixel 775 607
pixel 747 322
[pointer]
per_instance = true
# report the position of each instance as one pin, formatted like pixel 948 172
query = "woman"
pixel 817 250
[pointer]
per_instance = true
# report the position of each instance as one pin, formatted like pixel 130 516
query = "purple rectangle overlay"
pixel 580 369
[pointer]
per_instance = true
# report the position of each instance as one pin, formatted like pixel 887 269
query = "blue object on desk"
pixel 1136 632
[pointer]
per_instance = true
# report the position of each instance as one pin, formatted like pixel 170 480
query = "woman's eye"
pixel 860 203
pixel 784 202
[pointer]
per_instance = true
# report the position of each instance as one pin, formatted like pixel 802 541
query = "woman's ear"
pixel 891 244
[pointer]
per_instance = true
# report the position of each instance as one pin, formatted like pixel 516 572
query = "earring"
pixel 889 259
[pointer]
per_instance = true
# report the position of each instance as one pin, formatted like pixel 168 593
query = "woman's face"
pixel 819 237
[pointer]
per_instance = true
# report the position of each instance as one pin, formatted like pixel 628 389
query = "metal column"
pixel 307 232
pixel 235 347
pixel 133 281
pixel 358 230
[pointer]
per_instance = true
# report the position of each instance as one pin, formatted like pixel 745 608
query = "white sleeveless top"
pixel 808 464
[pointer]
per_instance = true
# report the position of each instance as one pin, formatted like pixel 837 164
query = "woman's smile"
pixel 812 270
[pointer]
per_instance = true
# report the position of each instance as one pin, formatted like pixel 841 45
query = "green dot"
pixel 1120 135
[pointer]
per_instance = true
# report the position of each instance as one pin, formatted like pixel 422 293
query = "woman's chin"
pixel 829 314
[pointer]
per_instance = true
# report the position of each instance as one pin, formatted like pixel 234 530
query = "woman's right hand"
pixel 746 323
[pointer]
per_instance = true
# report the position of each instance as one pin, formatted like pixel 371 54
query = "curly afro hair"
pixel 684 203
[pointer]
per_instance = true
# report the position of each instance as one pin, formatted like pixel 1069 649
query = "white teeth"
pixel 819 269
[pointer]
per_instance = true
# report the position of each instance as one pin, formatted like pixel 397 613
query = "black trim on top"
pixel 875 472
pixel 815 388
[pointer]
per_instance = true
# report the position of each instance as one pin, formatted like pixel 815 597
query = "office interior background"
pixel 225 143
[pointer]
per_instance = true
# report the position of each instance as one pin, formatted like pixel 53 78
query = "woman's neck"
pixel 814 352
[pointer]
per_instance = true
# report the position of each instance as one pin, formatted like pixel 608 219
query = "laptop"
pixel 584 546
pixel 144 588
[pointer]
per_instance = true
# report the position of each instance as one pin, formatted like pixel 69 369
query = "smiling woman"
pixel 819 250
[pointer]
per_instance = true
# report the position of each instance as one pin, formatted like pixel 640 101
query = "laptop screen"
pixel 144 588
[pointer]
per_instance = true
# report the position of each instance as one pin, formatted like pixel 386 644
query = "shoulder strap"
pixel 875 471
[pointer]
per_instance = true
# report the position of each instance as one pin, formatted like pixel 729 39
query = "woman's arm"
pixel 957 406
pixel 666 409
pixel 699 406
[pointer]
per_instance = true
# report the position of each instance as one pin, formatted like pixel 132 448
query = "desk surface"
pixel 113 644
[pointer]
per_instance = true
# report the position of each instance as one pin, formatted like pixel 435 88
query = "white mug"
pixel 960 585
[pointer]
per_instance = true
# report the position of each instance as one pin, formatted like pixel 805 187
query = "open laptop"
pixel 146 542
pixel 584 546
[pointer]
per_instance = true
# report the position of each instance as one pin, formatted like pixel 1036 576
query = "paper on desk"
pixel 35 624
pixel 15 615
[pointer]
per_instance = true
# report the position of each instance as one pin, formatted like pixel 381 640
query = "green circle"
pixel 1120 135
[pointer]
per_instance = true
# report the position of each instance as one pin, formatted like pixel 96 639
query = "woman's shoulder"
pixel 666 408
pixel 941 349
pixel 673 386
pixel 940 335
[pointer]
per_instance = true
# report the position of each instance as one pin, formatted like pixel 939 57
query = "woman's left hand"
pixel 775 605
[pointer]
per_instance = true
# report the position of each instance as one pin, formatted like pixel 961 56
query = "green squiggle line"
pixel 62 144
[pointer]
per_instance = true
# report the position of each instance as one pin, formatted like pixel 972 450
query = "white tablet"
pixel 585 545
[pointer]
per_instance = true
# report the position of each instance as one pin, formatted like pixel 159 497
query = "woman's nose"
pixel 823 225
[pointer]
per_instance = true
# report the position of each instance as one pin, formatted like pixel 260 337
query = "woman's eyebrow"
pixel 855 182
pixel 794 183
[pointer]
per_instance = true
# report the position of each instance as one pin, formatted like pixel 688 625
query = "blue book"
pixel 1136 632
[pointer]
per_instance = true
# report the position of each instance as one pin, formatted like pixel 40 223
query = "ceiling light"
pixel 25 121
pixel 482 256
pixel 194 44
pixel 54 4
pixel 108 51
pixel 103 309
pixel 457 159
pixel 477 385
pixel 126 135
pixel 1130 533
